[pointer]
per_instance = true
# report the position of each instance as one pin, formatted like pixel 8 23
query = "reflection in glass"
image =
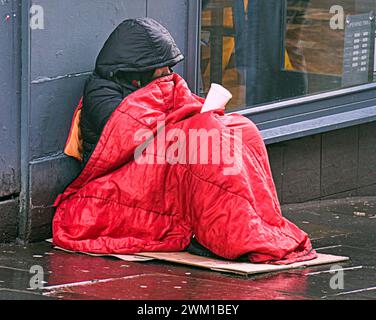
pixel 265 51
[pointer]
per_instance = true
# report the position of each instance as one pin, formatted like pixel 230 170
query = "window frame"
pixel 296 117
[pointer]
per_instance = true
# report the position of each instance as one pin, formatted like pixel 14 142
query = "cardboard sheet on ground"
pixel 125 257
pixel 242 268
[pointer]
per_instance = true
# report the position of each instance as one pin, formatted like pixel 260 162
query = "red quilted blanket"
pixel 155 180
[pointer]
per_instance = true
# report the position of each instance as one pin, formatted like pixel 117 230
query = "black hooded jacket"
pixel 126 62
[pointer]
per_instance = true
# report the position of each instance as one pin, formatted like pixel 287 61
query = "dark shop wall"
pixel 62 55
pixel 9 120
pixel 332 165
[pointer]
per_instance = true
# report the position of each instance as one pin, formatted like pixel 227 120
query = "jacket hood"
pixel 137 45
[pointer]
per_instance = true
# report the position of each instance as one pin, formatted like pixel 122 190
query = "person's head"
pixel 138 50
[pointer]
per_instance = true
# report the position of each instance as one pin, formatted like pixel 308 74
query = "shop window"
pixel 268 51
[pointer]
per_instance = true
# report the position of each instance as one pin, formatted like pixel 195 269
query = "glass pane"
pixel 266 51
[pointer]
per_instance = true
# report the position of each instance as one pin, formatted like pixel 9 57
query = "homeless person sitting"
pixel 121 205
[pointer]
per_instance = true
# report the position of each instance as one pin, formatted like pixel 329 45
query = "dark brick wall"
pixel 8 220
pixel 9 120
pixel 335 164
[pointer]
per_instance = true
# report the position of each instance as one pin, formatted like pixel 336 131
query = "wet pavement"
pixel 342 227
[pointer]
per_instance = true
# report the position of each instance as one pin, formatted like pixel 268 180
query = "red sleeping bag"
pixel 120 205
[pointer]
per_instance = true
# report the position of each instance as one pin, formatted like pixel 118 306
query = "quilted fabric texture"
pixel 120 205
